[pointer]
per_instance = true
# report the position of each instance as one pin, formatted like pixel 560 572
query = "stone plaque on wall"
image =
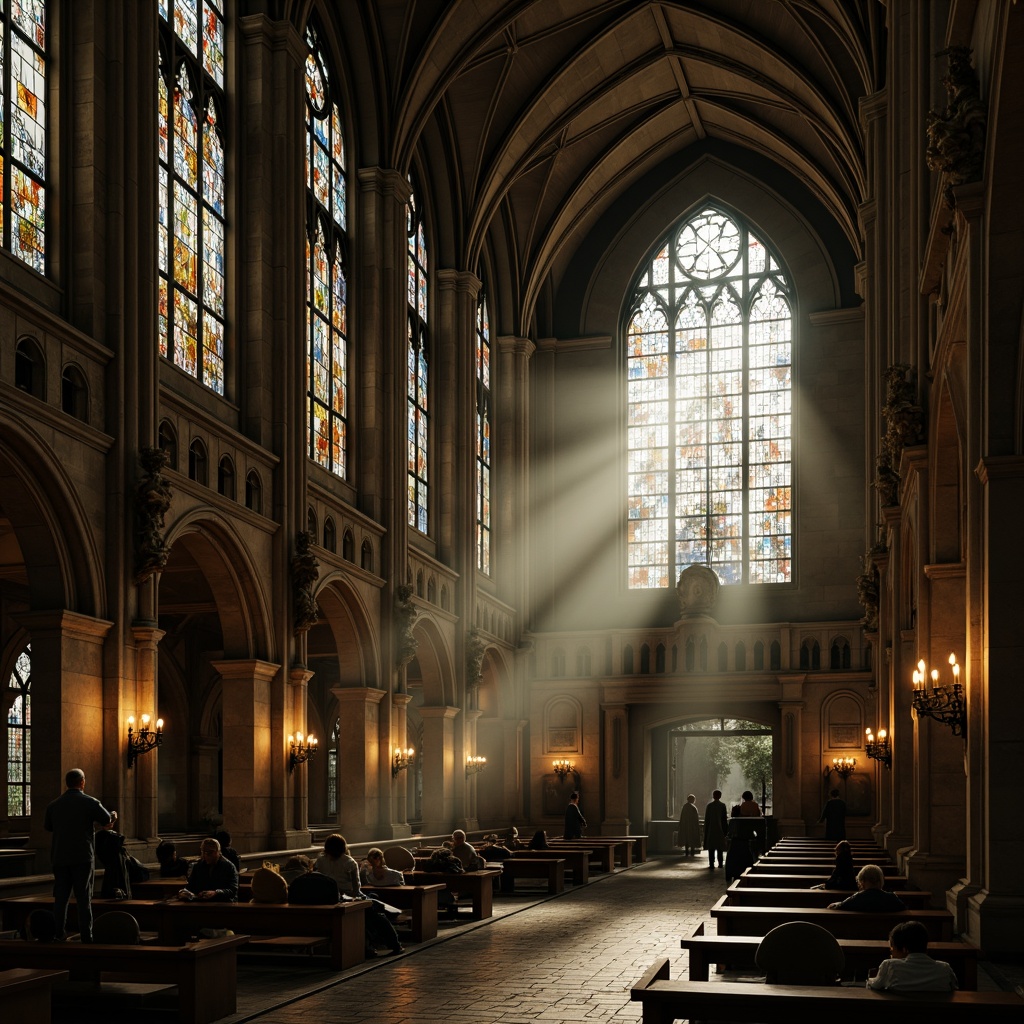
pixel 562 741
pixel 844 736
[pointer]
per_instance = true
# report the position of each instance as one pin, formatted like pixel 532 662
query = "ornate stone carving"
pixel 152 500
pixel 867 592
pixel 956 137
pixel 476 645
pixel 904 425
pixel 406 643
pixel 305 572
pixel 697 590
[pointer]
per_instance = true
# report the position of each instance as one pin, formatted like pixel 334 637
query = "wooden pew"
pixel 26 994
pixel 576 861
pixel 550 868
pixel 341 925
pixel 665 1001
pixel 823 870
pixel 846 924
pixel 204 971
pixel 860 954
pixel 745 896
pixel 765 881
pixel 622 847
pixel 859 859
pixel 477 884
pixel 419 900
pixel 602 853
pixel 639 846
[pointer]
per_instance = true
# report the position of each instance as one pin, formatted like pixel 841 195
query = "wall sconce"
pixel 400 760
pixel 300 752
pixel 879 749
pixel 475 764
pixel 562 768
pixel 844 767
pixel 945 704
pixel 144 739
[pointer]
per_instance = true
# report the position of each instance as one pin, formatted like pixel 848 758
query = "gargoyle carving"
pixel 305 572
pixel 152 500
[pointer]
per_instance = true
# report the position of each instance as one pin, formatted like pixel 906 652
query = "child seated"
pixel 911 969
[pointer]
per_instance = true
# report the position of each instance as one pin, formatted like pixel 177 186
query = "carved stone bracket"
pixel 904 421
pixel 406 643
pixel 476 645
pixel 867 593
pixel 152 500
pixel 305 572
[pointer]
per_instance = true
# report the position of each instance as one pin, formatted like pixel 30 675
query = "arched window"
pixel 348 546
pixel 226 478
pixel 483 437
pixel 19 737
pixel 197 462
pixel 74 393
pixel 326 267
pixel 330 535
pixel 311 525
pixel 191 188
pixel 709 385
pixel 366 557
pixel 418 376
pixel 254 493
pixel 30 369
pixel 168 442
pixel 23 142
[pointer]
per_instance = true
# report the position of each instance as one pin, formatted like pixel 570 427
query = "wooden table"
pixel 419 900
pixel 26 995
pixel 479 885
pixel 576 861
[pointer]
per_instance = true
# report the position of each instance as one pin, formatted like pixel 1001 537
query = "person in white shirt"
pixel 910 968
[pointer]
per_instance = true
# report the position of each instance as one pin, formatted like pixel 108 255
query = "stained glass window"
pixel 23 128
pixel 19 738
pixel 418 377
pixel 191 188
pixel 709 391
pixel 326 273
pixel 483 437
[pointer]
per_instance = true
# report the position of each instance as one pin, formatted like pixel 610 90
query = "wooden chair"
pixel 800 953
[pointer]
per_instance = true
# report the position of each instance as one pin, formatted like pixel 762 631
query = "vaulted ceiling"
pixel 549 110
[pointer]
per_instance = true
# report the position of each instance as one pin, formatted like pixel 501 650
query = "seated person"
pixel 110 852
pixel 376 872
pixel 226 849
pixel 512 840
pixel 268 886
pixel 471 860
pixel 494 850
pixel 843 876
pixel 539 840
pixel 213 877
pixel 871 897
pixel 295 866
pixel 171 865
pixel 310 888
pixel 910 968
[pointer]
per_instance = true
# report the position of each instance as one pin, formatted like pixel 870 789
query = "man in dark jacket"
pixel 71 818
pixel 213 878
pixel 871 898
pixel 575 823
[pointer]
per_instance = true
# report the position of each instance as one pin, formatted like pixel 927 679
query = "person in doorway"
pixel 834 816
pixel 716 824
pixel 575 823
pixel 910 968
pixel 71 818
pixel 871 898
pixel 689 827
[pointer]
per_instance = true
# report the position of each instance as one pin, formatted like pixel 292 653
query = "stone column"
pixel 297 822
pixel 469 821
pixel 399 826
pixel 614 770
pixel 144 824
pixel 787 769
pixel 438 766
pixel 359 760
pixel 250 752
pixel 67 712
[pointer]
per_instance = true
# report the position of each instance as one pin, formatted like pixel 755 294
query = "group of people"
pixel 718 835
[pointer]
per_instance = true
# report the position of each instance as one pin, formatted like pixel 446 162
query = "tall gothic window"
pixel 709 366
pixel 19 737
pixel 418 376
pixel 332 772
pixel 483 437
pixel 23 130
pixel 326 260
pixel 191 188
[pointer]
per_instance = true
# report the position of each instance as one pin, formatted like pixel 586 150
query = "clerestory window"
pixel 709 383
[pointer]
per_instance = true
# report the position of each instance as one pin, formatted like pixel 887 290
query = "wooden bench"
pixel 665 1001
pixel 822 869
pixel 204 971
pixel 341 925
pixel 479 885
pixel 622 848
pixel 419 900
pixel 550 868
pixel 754 880
pixel 576 861
pixel 746 896
pixel 846 924
pixel 880 858
pixel 26 994
pixel 737 951
pixel 639 846
pixel 602 858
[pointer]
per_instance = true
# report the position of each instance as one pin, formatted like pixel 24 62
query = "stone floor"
pixel 568 958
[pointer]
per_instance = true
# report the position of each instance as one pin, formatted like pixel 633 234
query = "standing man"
pixel 575 823
pixel 71 818
pixel 834 816
pixel 716 824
